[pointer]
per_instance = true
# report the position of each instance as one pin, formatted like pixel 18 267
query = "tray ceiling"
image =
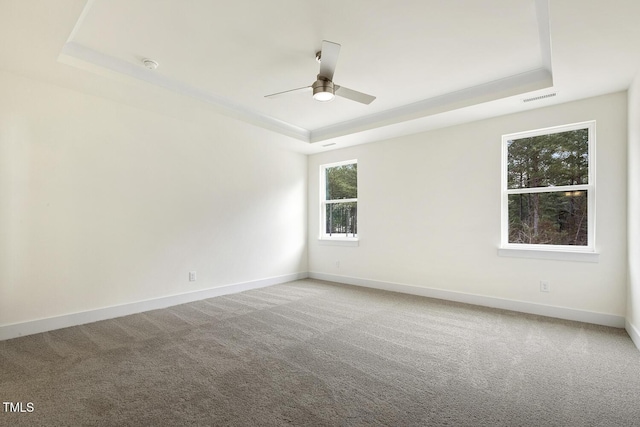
pixel 421 59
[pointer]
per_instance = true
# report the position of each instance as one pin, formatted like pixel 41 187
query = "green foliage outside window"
pixel 341 183
pixel 553 217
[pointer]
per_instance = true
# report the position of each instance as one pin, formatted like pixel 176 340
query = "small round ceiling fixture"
pixel 150 63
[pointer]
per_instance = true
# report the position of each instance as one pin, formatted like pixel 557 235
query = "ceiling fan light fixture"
pixel 323 90
pixel 323 96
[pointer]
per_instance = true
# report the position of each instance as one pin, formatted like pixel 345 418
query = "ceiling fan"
pixel 323 88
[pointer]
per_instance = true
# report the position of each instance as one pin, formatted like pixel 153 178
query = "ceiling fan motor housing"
pixel 323 86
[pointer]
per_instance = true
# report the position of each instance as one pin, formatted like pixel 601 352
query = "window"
pixel 548 189
pixel 339 200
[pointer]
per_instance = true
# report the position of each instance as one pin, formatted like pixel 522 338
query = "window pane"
pixel 342 218
pixel 342 182
pixel 549 160
pixel 557 218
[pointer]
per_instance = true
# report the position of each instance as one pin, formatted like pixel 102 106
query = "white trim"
pixel 340 163
pixel 559 189
pixel 336 241
pixel 551 130
pixel 542 13
pixel 633 332
pixel 508 86
pixel 559 255
pixel 336 201
pixel 80 21
pixel 481 300
pixel 85 58
pixel 74 319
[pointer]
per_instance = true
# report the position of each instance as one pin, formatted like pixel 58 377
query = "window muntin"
pixel 549 189
pixel 339 200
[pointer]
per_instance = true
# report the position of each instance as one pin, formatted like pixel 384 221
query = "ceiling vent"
pixel 538 98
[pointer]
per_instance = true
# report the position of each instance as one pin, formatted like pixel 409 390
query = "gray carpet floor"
pixel 311 353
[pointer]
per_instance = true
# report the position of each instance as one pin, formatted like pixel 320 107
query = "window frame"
pixel 590 188
pixel 324 202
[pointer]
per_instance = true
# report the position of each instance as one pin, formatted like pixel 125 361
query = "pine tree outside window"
pixel 339 200
pixel 548 189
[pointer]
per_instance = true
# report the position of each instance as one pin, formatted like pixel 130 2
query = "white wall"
pixel 633 292
pixel 103 204
pixel 429 215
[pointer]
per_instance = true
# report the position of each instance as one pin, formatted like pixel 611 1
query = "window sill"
pixel 550 254
pixel 338 242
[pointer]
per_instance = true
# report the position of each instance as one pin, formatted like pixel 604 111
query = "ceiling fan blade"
pixel 328 59
pixel 300 89
pixel 354 95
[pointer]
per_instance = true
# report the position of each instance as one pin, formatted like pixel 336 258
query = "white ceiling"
pixel 430 63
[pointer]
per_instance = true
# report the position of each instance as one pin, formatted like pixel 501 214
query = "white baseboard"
pixel 633 332
pixel 505 304
pixel 74 319
pixel 58 322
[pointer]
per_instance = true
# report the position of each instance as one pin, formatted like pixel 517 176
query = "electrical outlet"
pixel 192 276
pixel 545 286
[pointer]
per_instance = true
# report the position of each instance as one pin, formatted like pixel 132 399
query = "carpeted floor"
pixel 319 354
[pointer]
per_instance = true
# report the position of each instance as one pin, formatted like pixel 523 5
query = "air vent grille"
pixel 538 98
